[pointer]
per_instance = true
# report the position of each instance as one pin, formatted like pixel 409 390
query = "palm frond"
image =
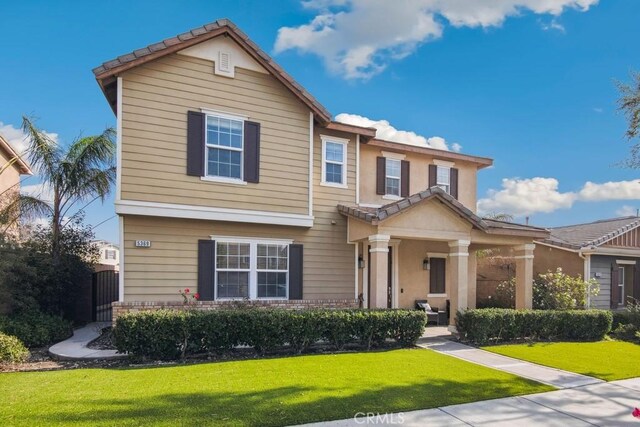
pixel 25 207
pixel 42 152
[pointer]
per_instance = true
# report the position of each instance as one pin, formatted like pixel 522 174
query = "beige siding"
pixel 156 99
pixel 9 176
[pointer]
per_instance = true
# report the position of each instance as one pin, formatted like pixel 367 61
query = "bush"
pixel 171 334
pixel 626 324
pixel 12 350
pixel 36 329
pixel 483 326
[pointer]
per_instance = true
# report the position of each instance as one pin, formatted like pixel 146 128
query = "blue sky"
pixel 533 90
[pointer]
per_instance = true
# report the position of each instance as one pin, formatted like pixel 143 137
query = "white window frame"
pixel 253 265
pixel 621 284
pixel 387 176
pixel 334 140
pixel 224 179
pixel 443 184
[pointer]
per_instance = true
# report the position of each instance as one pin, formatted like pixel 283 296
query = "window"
pixel 444 178
pixel 252 269
pixel 621 285
pixel 437 272
pixel 109 254
pixel 224 140
pixel 392 178
pixel 334 159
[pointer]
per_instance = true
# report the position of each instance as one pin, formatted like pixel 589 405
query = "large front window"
pixel 224 147
pixel 444 178
pixel 252 269
pixel 392 178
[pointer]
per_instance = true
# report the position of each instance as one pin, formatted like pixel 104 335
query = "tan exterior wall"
pixel 547 258
pixel 9 176
pixel 156 98
pixel 419 177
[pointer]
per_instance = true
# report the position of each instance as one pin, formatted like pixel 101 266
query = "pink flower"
pixel 196 295
pixel 636 413
pixel 186 290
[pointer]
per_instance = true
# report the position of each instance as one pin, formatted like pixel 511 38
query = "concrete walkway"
pixel 551 376
pixel 602 404
pixel 75 348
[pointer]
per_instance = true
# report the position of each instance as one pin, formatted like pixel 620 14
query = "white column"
pixel 458 276
pixel 379 269
pixel 524 275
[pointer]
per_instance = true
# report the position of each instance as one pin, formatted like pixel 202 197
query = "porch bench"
pixel 432 313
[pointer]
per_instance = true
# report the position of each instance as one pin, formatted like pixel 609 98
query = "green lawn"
pixel 252 392
pixel 608 360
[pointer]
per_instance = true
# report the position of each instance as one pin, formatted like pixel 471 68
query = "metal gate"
pixel 105 291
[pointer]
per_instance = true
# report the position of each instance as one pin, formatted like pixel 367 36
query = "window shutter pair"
pixel 381 175
pixel 453 179
pixel 207 270
pixel 196 134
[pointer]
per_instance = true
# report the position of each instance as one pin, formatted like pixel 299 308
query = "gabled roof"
pixel 10 153
pixel 107 72
pixel 375 216
pixel 591 234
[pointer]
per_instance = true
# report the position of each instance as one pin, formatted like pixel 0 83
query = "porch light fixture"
pixel 360 262
pixel 425 264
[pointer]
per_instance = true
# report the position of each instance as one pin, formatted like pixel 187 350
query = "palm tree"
pixel 84 170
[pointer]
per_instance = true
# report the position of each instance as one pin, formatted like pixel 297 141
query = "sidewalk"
pixel 601 404
pixel 543 374
pixel 75 348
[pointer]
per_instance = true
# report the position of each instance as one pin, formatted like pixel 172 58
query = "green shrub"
pixel 171 334
pixel 483 326
pixel 36 329
pixel 12 350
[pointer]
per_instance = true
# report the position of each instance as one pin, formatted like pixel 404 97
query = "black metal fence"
pixel 105 291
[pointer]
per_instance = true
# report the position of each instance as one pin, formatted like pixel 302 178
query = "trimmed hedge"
pixel 171 334
pixel 12 350
pixel 493 325
pixel 36 329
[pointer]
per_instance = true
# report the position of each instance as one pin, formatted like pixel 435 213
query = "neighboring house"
pixel 607 250
pixel 109 258
pixel 11 167
pixel 234 180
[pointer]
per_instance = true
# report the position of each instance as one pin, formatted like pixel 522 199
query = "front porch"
pixel 425 248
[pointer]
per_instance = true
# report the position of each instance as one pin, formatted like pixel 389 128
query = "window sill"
pixel 392 197
pixel 333 184
pixel 437 295
pixel 222 180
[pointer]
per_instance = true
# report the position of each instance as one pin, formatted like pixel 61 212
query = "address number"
pixel 143 243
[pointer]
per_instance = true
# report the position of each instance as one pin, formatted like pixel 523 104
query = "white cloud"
pixel 627 210
pixel 17 138
pixel 41 191
pixel 358 38
pixel 389 133
pixel 522 197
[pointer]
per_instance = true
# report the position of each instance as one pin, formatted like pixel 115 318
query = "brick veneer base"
pixel 120 308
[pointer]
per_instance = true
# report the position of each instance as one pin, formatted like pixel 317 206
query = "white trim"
pixel 622 285
pixel 437 255
pixel 344 143
pixel 617 252
pixel 460 242
pixel 443 163
pixel 259 240
pixel 395 274
pixel 170 210
pixel 387 176
pixel 311 163
pixel 369 205
pixel 223 180
pixel 365 275
pixel 462 254
pixel 357 168
pixel 374 250
pixel 625 262
pixel 392 196
pixel 587 276
pixel 224 114
pixel 355 246
pixel 394 156
pixel 445 295
pixel 208 145
pixel 379 238
pixel 121 267
pixel 119 139
pixel 525 247
pixel 334 139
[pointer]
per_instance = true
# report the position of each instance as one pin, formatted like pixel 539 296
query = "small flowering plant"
pixel 636 413
pixel 187 297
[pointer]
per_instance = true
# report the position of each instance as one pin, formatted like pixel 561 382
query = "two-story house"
pixel 235 181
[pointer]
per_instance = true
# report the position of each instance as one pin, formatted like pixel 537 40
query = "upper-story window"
pixel 224 140
pixel 392 178
pixel 109 254
pixel 334 162
pixel 444 178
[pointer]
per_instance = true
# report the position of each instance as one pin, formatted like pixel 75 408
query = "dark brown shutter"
pixel 404 178
pixel 615 289
pixel 206 269
pixel 196 124
pixel 251 152
pixel 433 175
pixel 381 175
pixel 437 275
pixel 295 271
pixel 453 181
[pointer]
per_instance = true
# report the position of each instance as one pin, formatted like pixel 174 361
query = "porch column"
pixel 458 277
pixel 379 268
pixel 524 275
pixel 473 279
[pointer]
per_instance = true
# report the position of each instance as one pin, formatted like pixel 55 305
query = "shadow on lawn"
pixel 272 407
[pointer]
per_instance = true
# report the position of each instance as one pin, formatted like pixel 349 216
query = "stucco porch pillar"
pixel 379 269
pixel 473 279
pixel 458 277
pixel 524 275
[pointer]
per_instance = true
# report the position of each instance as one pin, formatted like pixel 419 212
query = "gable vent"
pixel 224 66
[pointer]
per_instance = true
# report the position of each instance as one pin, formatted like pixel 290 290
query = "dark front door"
pixel 389 277
pixel 437 275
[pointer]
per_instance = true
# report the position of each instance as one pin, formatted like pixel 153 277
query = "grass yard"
pixel 607 360
pixel 263 392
